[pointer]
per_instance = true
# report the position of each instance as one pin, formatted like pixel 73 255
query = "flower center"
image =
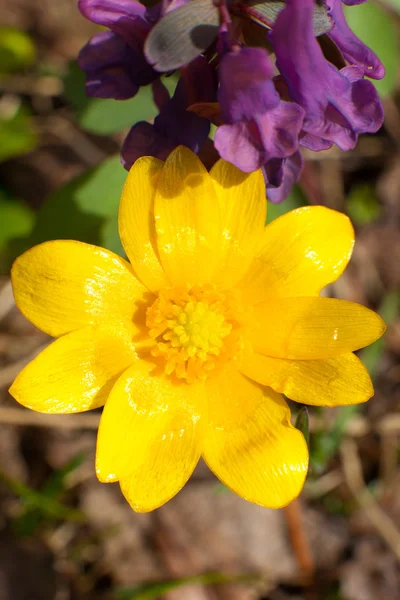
pixel 194 329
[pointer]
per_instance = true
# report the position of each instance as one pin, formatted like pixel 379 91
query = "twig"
pixel 371 148
pixel 19 416
pixel 298 538
pixel 388 458
pixel 9 373
pixel 389 424
pixel 359 426
pixel 323 485
pixel 355 481
pixel 23 84
pixel 80 143
pixel 6 300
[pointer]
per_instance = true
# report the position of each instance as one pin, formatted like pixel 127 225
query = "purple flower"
pixel 113 69
pixel 259 129
pixel 126 18
pixel 290 171
pixel 338 104
pixel 265 112
pixel 246 86
pixel 272 135
pixel 175 125
pixel 353 49
pixel 114 62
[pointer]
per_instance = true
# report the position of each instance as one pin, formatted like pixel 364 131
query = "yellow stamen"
pixel 195 330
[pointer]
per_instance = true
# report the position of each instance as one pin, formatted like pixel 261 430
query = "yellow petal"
pixel 301 253
pixel 150 436
pixel 187 220
pixel 136 222
pixel 312 328
pixel 232 397
pixel 76 372
pixel 243 208
pixel 335 381
pixel 258 454
pixel 63 285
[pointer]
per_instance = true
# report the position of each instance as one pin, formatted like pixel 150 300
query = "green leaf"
pixel 33 516
pixel 296 199
pixel 17 218
pixel 109 116
pixel 16 133
pixel 38 500
pixel 105 117
pixel 302 423
pixel 57 480
pixel 17 50
pixel 78 209
pixel 394 4
pixel 362 204
pixel 326 443
pixel 109 236
pixel 376 28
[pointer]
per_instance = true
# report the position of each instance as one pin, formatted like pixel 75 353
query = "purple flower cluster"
pixel 269 85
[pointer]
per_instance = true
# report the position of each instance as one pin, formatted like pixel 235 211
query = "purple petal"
pixel 160 94
pixel 109 12
pixel 240 144
pixel 337 107
pixel 144 140
pixel 280 129
pixel 314 143
pixel 353 49
pixel 273 135
pixel 290 171
pixel 127 18
pixel 113 68
pixel 175 125
pixel 246 88
pixel 121 16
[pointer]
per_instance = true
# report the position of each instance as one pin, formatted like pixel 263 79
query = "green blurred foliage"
pixel 324 444
pixel 85 209
pixel 17 135
pixel 43 507
pixel 17 50
pixel 362 204
pixel 394 4
pixel 377 28
pixel 17 219
pixel 105 117
pixel 303 423
pixel 296 199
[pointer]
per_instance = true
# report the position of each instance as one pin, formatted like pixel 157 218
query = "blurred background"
pixel 65 536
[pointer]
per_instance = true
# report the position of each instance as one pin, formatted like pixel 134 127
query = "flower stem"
pixel 298 538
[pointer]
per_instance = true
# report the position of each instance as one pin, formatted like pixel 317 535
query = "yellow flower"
pixel 192 343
